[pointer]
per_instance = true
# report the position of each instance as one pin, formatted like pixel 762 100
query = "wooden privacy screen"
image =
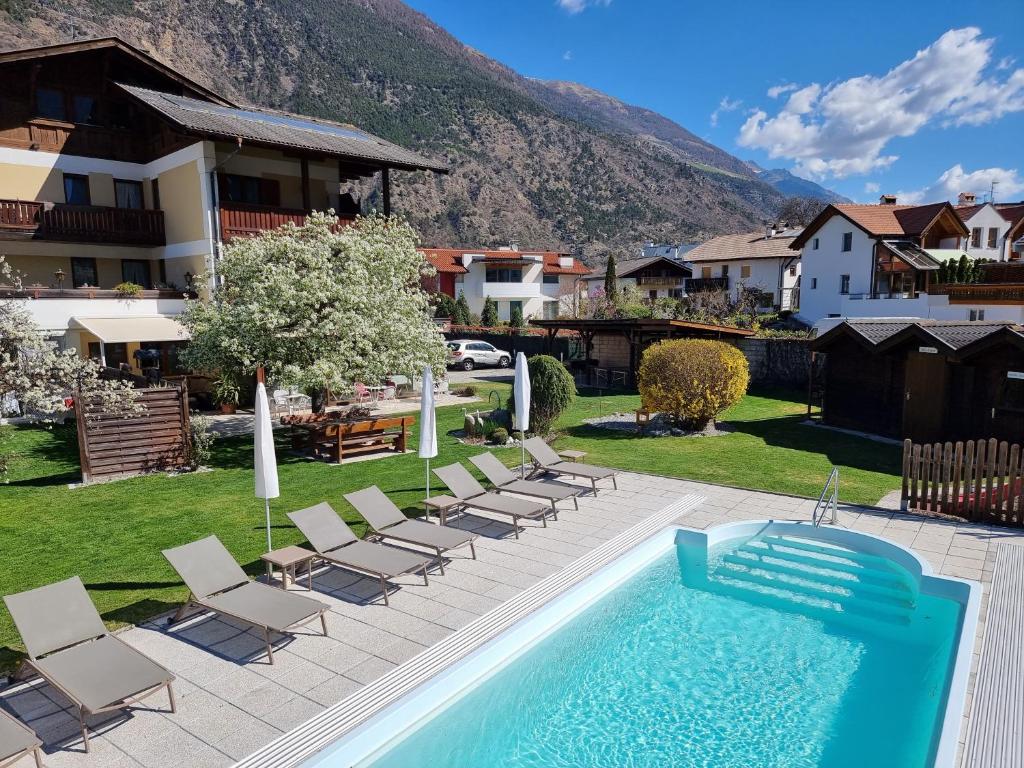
pixel 111 446
pixel 980 480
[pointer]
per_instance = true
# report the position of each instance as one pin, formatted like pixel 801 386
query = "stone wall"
pixel 778 362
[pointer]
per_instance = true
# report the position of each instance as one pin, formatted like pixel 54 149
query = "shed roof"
pixel 951 335
pixel 280 129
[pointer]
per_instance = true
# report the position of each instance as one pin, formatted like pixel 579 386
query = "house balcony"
pixel 511 290
pixel 54 310
pixel 698 284
pixel 980 293
pixel 667 283
pixel 40 220
pixel 246 220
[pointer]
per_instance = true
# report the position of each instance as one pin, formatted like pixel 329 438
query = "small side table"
pixel 572 455
pixel 287 560
pixel 442 504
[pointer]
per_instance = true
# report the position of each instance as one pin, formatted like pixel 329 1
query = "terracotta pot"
pixel 228 408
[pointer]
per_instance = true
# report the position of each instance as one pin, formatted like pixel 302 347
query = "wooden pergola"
pixel 638 332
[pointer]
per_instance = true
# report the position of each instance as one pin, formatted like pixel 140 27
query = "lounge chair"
pixel 388 522
pixel 218 584
pixel 545 459
pixel 504 479
pixel 335 543
pixel 17 741
pixel 468 490
pixel 69 648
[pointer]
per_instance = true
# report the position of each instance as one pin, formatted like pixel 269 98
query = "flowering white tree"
pixel 317 307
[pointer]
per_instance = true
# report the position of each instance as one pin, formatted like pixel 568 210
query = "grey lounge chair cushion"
pixel 55 616
pixel 459 481
pixel 376 558
pixel 378 510
pixel 496 472
pixel 323 528
pixel 102 672
pixel 466 487
pixel 556 491
pixel 428 534
pixel 15 738
pixel 265 606
pixel 545 455
pixel 206 566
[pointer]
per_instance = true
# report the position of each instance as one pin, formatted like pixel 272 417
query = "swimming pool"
pixel 755 643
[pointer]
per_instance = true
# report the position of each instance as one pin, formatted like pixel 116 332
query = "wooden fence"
pixel 980 480
pixel 112 446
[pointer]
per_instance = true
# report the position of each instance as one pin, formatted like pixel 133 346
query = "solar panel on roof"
pixel 266 117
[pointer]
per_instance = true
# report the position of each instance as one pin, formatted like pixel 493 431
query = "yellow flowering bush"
pixel 693 380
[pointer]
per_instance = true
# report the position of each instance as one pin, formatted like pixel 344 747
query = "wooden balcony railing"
pixel 245 220
pixel 698 284
pixel 661 282
pixel 46 292
pixel 82 223
pixel 980 293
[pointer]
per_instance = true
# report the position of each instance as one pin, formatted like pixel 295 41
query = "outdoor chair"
pixel 389 522
pixel 468 490
pixel 504 479
pixel 545 459
pixel 17 741
pixel 69 648
pixel 362 393
pixel 334 541
pixel 218 584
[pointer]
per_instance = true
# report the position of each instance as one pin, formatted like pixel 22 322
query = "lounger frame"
pixel 35 750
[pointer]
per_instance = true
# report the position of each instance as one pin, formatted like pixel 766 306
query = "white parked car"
pixel 467 355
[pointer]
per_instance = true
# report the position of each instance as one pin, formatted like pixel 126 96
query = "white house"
pixel 754 261
pixel 881 261
pixel 656 276
pixel 993 228
pixel 543 284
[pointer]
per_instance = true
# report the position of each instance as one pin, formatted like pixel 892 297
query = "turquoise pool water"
pixel 773 652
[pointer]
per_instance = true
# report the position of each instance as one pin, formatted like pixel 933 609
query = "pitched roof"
pixel 280 129
pixel 954 335
pixel 881 220
pixel 750 245
pixel 629 266
pixel 450 259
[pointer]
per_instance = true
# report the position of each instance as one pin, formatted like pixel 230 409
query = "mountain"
pixel 795 186
pixel 547 165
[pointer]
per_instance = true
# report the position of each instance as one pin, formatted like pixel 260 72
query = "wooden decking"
pixel 995 738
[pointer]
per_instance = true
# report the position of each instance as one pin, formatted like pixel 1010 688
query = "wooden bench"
pixel 334 441
pixel 994 735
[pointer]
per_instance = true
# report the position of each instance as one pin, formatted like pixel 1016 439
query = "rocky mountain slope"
pixel 796 186
pixel 547 165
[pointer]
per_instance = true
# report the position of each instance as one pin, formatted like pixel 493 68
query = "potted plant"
pixel 226 393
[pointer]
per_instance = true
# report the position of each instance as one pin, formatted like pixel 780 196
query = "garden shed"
pixel 927 380
pixel 610 350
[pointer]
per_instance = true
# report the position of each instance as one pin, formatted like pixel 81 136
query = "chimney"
pixel 887 200
pixel 965 198
pixel 769 231
pixel 513 246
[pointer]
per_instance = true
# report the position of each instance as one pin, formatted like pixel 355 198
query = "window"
pixel 792 271
pixel 136 271
pixel 512 306
pixel 705 273
pixel 814 244
pixel 847 241
pixel 76 189
pixel 504 275
pixel 550 279
pixel 652 294
pixel 550 310
pixel 993 236
pixel 83 109
pixel 725 270
pixel 83 273
pixel 745 270
pixel 115 354
pixel 480 346
pixel 814 283
pixel 128 194
pixel 844 284
pixel 50 103
pixel 976 314
pixel 249 189
pixel 976 237
pixel 155 186
pixel 121 115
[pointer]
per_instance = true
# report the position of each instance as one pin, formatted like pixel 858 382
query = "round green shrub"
pixel 552 390
pixel 499 436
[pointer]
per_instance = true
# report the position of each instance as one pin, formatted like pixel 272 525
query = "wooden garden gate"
pixel 978 480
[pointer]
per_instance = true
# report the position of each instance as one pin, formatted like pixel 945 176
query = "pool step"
pixel 816 578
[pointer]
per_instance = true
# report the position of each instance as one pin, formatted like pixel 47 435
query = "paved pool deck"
pixel 231 701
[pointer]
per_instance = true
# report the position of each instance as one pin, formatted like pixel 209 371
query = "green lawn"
pixel 111 535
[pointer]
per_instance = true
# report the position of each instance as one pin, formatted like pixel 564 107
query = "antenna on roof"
pixel 72 32
pixel 992 192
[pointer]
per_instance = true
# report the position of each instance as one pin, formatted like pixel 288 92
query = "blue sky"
pixel 919 98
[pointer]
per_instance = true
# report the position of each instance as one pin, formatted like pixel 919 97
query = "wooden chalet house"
pixel 114 168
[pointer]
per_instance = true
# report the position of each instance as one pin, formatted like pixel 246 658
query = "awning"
pixel 912 255
pixel 115 330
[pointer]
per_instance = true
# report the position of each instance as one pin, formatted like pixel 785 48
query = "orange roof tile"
pixel 450 259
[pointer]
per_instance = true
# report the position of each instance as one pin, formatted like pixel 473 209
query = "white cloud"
pixel 843 128
pixel 1008 184
pixel 777 90
pixel 1006 62
pixel 572 7
pixel 871 188
pixel 725 105
pixel 567 56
